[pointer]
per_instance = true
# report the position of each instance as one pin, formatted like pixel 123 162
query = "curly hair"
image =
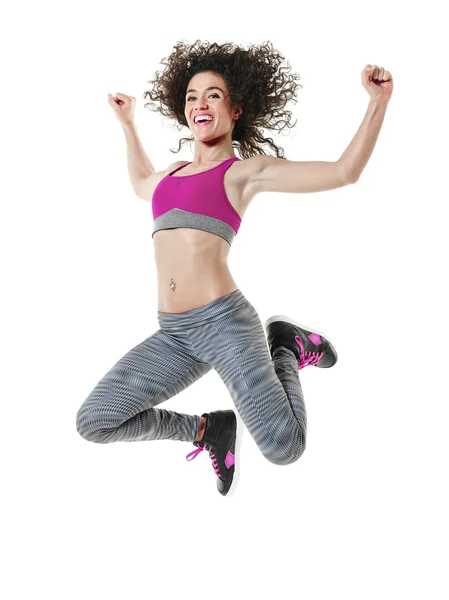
pixel 253 76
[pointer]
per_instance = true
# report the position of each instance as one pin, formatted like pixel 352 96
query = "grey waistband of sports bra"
pixel 176 217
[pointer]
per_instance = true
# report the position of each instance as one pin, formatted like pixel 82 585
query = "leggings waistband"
pixel 203 314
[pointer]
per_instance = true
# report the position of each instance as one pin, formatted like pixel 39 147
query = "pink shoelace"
pixel 307 358
pixel 195 453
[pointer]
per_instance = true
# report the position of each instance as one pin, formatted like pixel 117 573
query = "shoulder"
pixel 149 184
pixel 248 170
pixel 175 165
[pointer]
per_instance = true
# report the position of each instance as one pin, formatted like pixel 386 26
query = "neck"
pixel 206 154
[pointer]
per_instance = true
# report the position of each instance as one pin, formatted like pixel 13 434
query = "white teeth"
pixel 203 118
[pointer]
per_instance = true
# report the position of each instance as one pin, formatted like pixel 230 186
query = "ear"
pixel 238 110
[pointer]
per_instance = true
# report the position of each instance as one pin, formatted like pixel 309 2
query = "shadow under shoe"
pixel 219 439
pixel 309 346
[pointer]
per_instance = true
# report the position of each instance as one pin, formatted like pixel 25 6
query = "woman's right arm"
pixel 141 172
pixel 139 165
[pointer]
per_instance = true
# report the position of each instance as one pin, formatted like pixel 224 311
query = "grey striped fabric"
pixel 226 335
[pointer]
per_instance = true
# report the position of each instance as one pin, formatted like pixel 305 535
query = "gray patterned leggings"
pixel 226 335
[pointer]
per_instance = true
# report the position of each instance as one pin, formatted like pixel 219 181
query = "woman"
pixel 224 94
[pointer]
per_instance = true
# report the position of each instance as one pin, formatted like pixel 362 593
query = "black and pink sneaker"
pixel 310 347
pixel 219 439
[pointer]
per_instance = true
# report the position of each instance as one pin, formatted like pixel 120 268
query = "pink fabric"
pixel 200 193
pixel 315 338
pixel 230 459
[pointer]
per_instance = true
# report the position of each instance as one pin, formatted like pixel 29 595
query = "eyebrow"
pixel 213 87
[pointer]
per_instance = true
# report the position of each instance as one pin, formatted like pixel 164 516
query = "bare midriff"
pixel 192 269
pixel 192 265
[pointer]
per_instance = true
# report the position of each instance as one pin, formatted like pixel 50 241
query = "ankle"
pixel 201 429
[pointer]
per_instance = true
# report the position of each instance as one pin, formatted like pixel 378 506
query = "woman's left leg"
pixel 266 391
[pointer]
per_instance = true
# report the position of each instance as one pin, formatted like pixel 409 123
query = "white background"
pixel 363 513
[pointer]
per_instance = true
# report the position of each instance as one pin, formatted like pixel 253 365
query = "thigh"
pixel 150 373
pixel 241 357
pixel 244 364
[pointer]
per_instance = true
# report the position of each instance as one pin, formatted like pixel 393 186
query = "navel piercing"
pixel 173 285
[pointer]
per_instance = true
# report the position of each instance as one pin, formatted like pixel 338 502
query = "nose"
pixel 200 106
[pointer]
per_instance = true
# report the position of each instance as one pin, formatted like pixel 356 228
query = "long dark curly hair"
pixel 254 77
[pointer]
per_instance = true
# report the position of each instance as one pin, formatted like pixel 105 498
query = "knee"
pixel 82 428
pixel 286 455
pixel 86 428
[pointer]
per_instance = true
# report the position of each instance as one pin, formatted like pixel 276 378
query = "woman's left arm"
pixel 271 174
pixel 379 84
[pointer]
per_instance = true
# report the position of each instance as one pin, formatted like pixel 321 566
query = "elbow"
pixel 353 177
pixel 346 174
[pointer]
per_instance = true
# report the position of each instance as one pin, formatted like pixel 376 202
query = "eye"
pixel 190 97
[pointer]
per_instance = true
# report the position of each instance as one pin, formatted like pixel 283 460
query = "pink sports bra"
pixel 197 201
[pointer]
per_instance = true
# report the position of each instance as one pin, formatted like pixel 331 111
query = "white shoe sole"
pixel 293 322
pixel 238 444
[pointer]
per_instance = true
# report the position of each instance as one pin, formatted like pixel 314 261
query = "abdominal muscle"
pixel 192 265
pixel 192 269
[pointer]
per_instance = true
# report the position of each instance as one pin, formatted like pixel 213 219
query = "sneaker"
pixel 309 346
pixel 219 439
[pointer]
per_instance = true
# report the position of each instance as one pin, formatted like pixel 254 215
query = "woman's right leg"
pixel 121 406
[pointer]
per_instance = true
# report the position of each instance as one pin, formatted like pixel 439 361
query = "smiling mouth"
pixel 203 122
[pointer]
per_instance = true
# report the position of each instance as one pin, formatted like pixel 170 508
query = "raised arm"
pixel 270 174
pixel 139 165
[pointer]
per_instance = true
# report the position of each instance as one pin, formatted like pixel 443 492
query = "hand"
pixel 377 82
pixel 123 107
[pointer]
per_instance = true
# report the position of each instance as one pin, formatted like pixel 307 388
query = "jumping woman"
pixel 226 96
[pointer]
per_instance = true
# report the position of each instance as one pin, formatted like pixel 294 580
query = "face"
pixel 215 102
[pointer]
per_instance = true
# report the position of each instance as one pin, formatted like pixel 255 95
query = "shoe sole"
pixel 293 322
pixel 238 444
